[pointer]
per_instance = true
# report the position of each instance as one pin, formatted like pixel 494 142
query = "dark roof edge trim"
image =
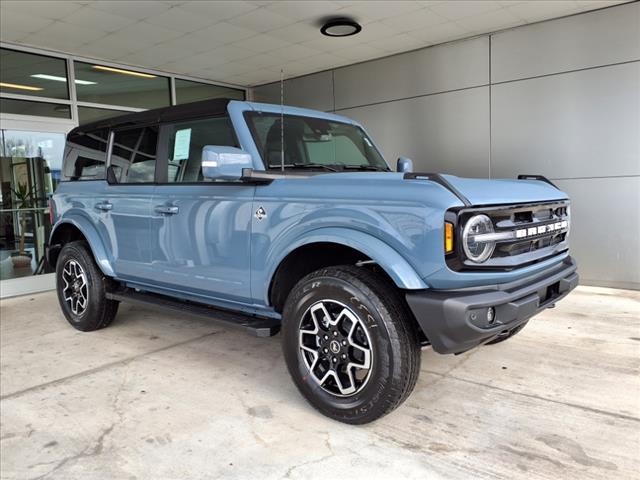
pixel 213 107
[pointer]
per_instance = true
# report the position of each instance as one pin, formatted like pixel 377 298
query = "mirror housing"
pixel 224 163
pixel 405 165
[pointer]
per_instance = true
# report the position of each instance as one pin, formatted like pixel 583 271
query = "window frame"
pixel 248 116
pixel 111 143
pixel 162 150
pixel 69 149
pixel 162 175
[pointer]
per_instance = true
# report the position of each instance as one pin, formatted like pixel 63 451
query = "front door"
pixel 200 229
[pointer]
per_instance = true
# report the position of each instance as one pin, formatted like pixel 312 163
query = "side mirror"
pixel 224 163
pixel 405 165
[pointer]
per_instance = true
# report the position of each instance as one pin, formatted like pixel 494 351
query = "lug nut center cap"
pixel 334 346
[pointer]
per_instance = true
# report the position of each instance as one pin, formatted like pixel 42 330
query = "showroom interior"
pixel 484 89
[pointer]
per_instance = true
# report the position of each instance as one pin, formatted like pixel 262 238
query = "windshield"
pixel 313 143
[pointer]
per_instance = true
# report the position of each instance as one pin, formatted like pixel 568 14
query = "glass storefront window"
pixel 35 75
pixel 43 109
pixel 188 91
pixel 38 86
pixel 90 114
pixel 120 86
pixel 29 172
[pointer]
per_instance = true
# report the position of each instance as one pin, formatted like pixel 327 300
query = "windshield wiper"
pixel 372 168
pixel 314 165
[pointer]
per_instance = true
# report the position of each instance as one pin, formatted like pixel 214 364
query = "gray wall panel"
pixel 435 69
pixel 591 39
pixel 311 91
pixel 605 230
pixel 579 124
pixel 446 133
pixel 565 124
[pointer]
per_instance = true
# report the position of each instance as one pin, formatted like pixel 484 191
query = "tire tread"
pixel 401 328
pixel 106 309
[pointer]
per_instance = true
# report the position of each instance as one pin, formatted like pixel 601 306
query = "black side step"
pixel 259 326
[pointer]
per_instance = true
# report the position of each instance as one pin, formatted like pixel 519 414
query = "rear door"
pixel 200 228
pixel 125 207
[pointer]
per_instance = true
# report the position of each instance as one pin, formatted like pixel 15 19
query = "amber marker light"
pixel 20 87
pixel 448 237
pixel 124 72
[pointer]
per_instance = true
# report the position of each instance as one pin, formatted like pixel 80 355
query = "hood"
pixel 504 191
pixel 478 191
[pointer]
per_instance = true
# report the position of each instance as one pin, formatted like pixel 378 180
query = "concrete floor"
pixel 158 397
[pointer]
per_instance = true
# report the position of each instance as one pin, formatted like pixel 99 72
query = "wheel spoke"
pixel 346 390
pixel 319 307
pixel 75 289
pixel 327 342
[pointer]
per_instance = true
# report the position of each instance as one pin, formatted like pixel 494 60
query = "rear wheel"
pixel 81 288
pixel 350 343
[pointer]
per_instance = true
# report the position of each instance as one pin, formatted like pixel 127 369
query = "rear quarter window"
pixel 85 155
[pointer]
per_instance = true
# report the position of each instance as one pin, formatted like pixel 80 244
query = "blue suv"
pixel 273 218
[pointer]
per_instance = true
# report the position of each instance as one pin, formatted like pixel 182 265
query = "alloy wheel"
pixel 336 348
pixel 76 289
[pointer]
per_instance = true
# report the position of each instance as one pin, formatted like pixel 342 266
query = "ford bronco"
pixel 271 218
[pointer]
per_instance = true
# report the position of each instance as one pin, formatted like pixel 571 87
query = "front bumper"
pixel 456 320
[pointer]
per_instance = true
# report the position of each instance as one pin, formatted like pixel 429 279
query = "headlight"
pixel 476 251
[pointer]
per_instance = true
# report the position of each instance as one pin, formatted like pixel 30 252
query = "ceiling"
pixel 248 42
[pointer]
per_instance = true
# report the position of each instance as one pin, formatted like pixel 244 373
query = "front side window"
pixel 186 141
pixel 312 143
pixel 133 156
pixel 86 155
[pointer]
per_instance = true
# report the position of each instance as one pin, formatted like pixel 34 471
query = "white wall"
pixel 559 98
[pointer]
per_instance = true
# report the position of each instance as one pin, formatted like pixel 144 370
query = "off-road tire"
pixel 99 311
pixel 395 345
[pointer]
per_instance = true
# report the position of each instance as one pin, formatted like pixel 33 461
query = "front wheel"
pixel 81 289
pixel 350 343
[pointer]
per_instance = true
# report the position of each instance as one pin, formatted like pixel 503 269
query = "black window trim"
pixel 162 159
pixel 67 151
pixel 111 142
pixel 248 114
pixel 162 162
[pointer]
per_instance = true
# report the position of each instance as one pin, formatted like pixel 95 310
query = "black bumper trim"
pixel 450 318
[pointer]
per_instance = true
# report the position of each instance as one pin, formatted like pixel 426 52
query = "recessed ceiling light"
pixel 20 87
pixel 340 27
pixel 125 72
pixel 44 76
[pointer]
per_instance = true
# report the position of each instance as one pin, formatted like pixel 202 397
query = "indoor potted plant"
pixel 24 199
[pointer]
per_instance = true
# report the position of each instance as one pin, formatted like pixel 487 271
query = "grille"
pixel 523 234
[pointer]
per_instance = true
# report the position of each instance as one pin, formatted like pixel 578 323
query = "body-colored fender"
pixel 400 271
pixel 88 230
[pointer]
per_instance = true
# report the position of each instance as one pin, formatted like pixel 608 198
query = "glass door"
pixel 30 165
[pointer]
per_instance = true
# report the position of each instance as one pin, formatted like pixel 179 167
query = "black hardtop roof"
pixel 213 107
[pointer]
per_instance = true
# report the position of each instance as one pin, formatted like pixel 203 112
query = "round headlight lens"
pixel 477 251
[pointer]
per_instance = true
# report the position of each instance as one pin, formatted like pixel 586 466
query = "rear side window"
pixel 186 141
pixel 133 156
pixel 86 155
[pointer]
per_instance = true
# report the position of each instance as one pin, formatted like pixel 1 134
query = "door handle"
pixel 104 206
pixel 167 209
